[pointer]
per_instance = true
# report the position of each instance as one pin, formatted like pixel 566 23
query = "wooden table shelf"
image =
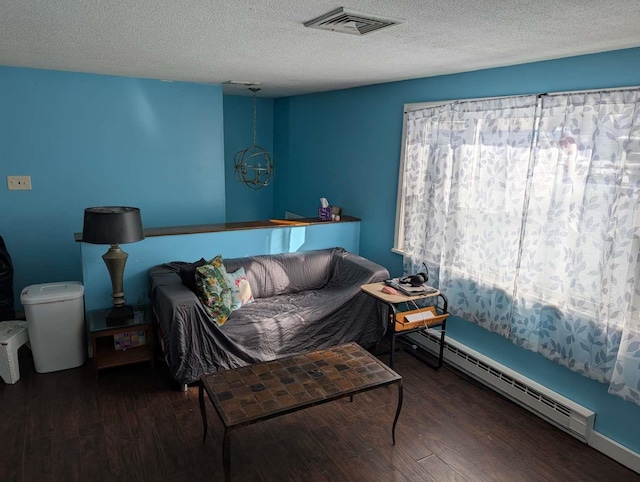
pixel 402 324
pixel 105 354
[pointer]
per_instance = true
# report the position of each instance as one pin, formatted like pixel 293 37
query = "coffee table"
pixel 243 396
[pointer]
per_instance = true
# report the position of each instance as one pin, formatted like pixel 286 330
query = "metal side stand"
pixel 400 326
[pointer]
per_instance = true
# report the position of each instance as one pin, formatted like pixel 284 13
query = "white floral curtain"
pixel 526 212
pixel 465 177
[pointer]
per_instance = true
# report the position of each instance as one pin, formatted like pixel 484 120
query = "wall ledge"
pixel 220 227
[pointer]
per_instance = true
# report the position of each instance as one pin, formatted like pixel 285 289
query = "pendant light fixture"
pixel 253 164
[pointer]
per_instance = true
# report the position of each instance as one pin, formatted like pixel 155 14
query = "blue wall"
pixel 345 145
pixel 90 140
pixel 243 203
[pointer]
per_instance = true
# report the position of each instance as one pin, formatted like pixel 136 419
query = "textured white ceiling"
pixel 213 41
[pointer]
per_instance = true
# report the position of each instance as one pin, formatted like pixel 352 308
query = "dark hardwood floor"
pixel 130 425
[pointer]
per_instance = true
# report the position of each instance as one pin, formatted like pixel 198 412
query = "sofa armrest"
pixel 353 270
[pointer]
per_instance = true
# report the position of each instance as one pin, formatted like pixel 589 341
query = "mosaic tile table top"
pixel 245 395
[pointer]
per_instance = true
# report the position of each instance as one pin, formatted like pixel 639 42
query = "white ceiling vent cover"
pixel 352 21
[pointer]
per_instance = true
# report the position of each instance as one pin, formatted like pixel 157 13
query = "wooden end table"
pixel 247 395
pixel 398 322
pixel 105 354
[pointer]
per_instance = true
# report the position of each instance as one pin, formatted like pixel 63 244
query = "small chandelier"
pixel 253 164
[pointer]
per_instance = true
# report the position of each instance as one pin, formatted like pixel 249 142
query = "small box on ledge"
pixel 324 214
pixel 324 211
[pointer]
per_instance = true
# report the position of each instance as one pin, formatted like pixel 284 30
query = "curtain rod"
pixel 411 107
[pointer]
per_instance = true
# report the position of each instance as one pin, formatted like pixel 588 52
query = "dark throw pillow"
pixel 188 274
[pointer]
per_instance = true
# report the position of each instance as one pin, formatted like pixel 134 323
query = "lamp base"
pixel 119 315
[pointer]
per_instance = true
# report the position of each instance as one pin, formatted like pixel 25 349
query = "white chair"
pixel 13 334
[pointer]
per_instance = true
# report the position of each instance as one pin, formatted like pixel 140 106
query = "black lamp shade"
pixel 112 225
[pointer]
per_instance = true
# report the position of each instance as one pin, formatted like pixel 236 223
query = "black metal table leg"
pixel 443 328
pixel 226 456
pixel 395 420
pixel 445 307
pixel 442 333
pixel 392 319
pixel 203 411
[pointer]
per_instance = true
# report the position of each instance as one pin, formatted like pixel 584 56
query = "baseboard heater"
pixel 547 404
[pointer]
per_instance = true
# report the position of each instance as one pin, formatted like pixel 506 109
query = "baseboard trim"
pixel 598 441
pixel 613 449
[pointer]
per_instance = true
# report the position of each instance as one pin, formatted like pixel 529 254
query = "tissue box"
pixel 324 214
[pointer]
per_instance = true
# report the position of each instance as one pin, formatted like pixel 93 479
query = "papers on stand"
pixel 409 290
pixel 421 316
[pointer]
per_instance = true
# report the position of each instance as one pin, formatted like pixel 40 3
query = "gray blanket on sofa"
pixel 303 301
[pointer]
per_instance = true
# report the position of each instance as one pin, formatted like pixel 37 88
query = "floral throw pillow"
pixel 240 289
pixel 213 289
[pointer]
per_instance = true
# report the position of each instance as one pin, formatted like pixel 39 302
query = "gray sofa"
pixel 303 301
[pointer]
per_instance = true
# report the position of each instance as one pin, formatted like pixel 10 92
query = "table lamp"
pixel 114 225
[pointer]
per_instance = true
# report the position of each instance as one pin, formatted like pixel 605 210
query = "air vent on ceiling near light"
pixel 351 21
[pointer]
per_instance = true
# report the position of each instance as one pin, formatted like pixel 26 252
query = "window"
pixel 526 211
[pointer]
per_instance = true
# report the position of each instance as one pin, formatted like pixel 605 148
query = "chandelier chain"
pixel 254 90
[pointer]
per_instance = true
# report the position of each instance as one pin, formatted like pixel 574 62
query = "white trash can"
pixel 55 321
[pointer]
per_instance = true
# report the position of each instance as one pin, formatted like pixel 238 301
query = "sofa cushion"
pixel 240 289
pixel 281 274
pixel 213 289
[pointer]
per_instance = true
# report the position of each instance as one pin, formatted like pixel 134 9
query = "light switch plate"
pixel 19 183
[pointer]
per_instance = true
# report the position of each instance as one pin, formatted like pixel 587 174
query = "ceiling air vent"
pixel 351 21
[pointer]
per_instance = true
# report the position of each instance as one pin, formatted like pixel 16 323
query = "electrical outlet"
pixel 19 183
